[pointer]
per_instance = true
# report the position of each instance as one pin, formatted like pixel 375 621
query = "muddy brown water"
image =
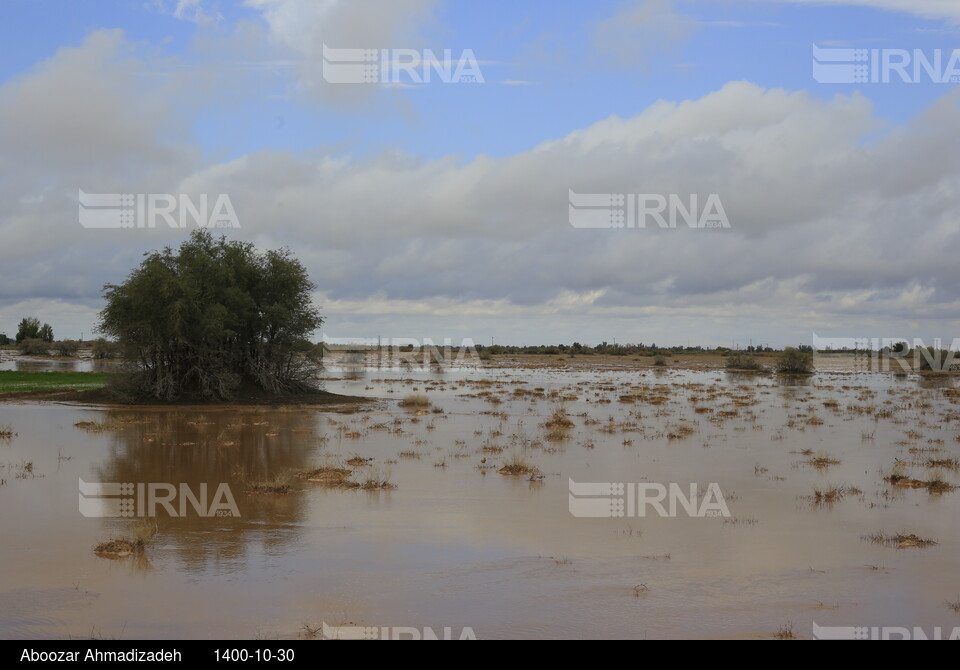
pixel 462 546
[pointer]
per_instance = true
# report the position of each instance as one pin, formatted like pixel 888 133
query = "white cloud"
pixel 829 231
pixel 930 9
pixel 641 29
pixel 302 27
pixel 202 12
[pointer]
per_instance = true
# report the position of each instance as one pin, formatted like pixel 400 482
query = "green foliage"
pixel 213 318
pixel 795 361
pixel 15 380
pixel 30 329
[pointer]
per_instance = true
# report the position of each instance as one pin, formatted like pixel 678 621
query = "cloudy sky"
pixel 441 209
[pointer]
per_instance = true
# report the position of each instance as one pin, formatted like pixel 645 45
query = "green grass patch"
pixel 16 381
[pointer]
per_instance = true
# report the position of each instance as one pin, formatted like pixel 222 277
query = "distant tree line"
pixel 606 348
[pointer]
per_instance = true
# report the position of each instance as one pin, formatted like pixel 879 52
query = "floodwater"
pixel 458 545
pixel 50 364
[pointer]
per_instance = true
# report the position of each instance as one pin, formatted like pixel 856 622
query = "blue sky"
pixel 547 44
pixel 229 95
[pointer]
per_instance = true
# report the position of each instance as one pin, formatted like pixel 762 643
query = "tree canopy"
pixel 214 318
pixel 30 329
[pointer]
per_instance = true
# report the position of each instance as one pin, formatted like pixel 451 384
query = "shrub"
pixel 34 347
pixel 104 348
pixel 795 361
pixel 66 347
pixel 744 362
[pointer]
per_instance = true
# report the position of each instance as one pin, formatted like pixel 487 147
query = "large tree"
pixel 214 318
pixel 30 329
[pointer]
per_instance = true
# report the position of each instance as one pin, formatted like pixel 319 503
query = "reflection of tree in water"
pixel 354 365
pixel 233 446
pixel 738 377
pixel 936 381
pixel 793 381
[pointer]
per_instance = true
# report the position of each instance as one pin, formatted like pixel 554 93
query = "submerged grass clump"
pixel 786 632
pixel 24 470
pixel 518 465
pixel 329 476
pixel 122 546
pixel 935 484
pixel 359 461
pixel 559 419
pixel 280 484
pixel 822 460
pixel 829 495
pixel 900 540
pixel 558 425
pixel 377 481
pixel 416 401
pixel 334 477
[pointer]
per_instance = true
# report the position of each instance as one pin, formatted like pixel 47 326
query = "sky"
pixel 442 209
